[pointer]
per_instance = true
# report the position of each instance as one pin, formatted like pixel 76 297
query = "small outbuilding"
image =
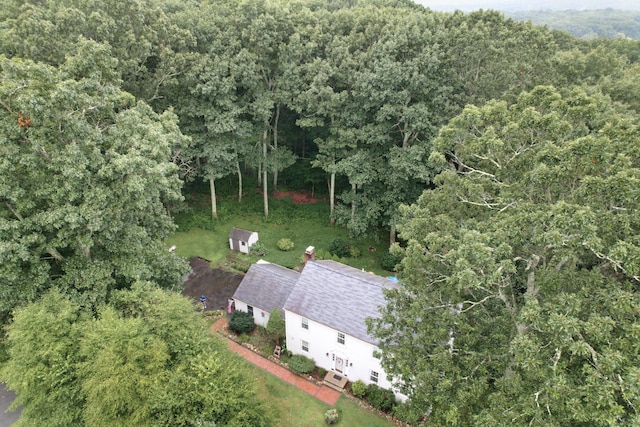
pixel 241 240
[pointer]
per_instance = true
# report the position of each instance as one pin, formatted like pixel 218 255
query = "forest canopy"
pixel 504 153
pixel 588 24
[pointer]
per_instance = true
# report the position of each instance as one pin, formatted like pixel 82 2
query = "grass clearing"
pixel 305 225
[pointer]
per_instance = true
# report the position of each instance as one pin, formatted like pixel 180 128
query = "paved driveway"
pixel 6 397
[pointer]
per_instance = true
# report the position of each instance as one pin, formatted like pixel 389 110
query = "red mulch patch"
pixel 298 198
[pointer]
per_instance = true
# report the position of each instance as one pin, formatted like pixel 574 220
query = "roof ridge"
pixel 358 277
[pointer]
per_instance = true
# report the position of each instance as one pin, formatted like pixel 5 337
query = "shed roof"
pixel 339 296
pixel 240 234
pixel 266 285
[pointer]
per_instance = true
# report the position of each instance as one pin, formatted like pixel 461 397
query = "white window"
pixel 305 323
pixel 250 310
pixel 305 346
pixel 373 376
pixel 340 338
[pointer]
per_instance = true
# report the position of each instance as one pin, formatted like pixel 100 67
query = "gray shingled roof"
pixel 240 234
pixel 266 286
pixel 339 296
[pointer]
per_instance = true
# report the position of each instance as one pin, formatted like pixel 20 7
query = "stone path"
pixel 322 392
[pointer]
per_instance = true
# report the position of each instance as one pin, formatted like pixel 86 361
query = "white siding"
pixel 357 355
pixel 252 239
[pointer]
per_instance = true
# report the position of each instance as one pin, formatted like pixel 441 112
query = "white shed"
pixel 241 240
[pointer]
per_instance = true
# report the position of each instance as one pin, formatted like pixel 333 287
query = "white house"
pixel 265 286
pixel 325 319
pixel 241 240
pixel 325 310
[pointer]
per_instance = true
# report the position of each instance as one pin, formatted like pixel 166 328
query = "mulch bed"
pixel 216 284
pixel 298 198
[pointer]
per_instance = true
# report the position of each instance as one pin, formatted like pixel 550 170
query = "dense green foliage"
pixel 85 174
pixel 389 261
pixel 241 322
pixel 331 416
pixel 520 304
pixel 380 398
pixel 285 244
pixel 276 326
pixel 356 89
pixel 301 364
pixel 504 153
pixel 339 248
pixel 588 24
pixel 358 388
pixel 145 360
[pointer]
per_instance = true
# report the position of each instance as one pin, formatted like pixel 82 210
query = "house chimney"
pixel 309 254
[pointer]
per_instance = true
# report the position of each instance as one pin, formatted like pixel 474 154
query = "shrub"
pixel 358 388
pixel 408 413
pixel 339 247
pixel 331 416
pixel 320 254
pixel 322 372
pixel 275 325
pixel 301 364
pixel 285 244
pixel 354 252
pixel 389 261
pixel 241 322
pixel 380 398
pixel 258 249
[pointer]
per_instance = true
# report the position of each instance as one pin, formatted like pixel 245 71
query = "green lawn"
pixel 305 225
pixel 291 407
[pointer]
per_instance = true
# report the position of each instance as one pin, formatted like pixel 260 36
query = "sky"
pixel 527 5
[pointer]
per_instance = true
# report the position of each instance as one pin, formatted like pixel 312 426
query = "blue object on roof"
pixel 393 278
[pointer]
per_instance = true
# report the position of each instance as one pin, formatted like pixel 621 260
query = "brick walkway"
pixel 323 393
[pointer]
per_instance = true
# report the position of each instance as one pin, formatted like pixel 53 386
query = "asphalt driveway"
pixel 6 397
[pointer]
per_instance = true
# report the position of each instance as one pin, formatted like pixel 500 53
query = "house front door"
pixel 339 364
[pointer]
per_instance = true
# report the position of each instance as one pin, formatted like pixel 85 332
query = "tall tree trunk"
pixel 353 202
pixel 239 180
pixel 265 194
pixel 214 206
pixel 275 145
pixel 392 235
pixel 332 198
pixel 260 172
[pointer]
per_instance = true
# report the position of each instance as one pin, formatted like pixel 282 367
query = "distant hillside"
pixel 607 23
pixel 528 5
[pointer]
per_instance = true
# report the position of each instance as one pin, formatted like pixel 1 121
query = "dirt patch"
pixel 216 284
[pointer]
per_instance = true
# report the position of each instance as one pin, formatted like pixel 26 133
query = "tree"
pixel 212 96
pixel 150 49
pixel 147 359
pixel 490 57
pixel 86 176
pixel 267 28
pixel 521 269
pixel 43 347
pixel 275 325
